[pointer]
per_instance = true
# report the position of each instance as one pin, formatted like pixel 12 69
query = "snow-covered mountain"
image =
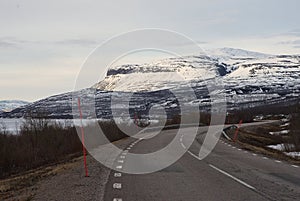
pixel 247 76
pixel 160 74
pixel 229 53
pixel 249 79
pixel 9 105
pixel 164 73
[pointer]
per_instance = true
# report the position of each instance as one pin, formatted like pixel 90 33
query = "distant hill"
pixel 9 105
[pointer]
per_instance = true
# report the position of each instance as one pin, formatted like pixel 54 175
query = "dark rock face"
pixel 119 71
pixel 222 69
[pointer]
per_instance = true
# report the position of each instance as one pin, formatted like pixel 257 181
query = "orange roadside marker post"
pixel 82 140
pixel 237 131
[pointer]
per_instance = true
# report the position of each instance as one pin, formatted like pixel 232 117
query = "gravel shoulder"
pixel 73 185
pixel 63 181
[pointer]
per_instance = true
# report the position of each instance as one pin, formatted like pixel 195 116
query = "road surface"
pixel 228 173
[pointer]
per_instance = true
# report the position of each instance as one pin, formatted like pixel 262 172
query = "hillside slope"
pixel 249 79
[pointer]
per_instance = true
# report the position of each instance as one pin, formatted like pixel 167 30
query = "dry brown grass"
pixel 257 138
pixel 36 146
pixel 22 186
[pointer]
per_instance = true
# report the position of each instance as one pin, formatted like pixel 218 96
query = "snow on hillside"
pixel 162 74
pixel 9 105
pixel 280 71
pixel 229 53
pixel 249 79
pixel 233 66
pixel 247 76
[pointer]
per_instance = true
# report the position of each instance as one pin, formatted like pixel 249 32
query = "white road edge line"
pixel 232 177
pixel 295 166
pixel 194 155
pixel 223 172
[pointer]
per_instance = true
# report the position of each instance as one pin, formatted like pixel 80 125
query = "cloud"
pixel 295 43
pixel 294 32
pixel 77 42
pixel 7 42
pixel 12 42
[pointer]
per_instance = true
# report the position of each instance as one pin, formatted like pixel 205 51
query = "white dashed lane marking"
pixel 117 174
pixel 229 145
pixel 117 185
pixel 265 158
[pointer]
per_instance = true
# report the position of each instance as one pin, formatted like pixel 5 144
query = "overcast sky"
pixel 44 43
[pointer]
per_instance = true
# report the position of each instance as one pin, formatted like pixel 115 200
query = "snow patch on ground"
pixel 285 125
pixel 281 147
pixel 283 132
pixel 293 154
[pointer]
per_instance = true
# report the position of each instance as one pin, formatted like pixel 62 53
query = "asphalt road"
pixel 228 173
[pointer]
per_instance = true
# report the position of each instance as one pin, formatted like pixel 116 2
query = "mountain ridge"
pixel 249 79
pixel 9 105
